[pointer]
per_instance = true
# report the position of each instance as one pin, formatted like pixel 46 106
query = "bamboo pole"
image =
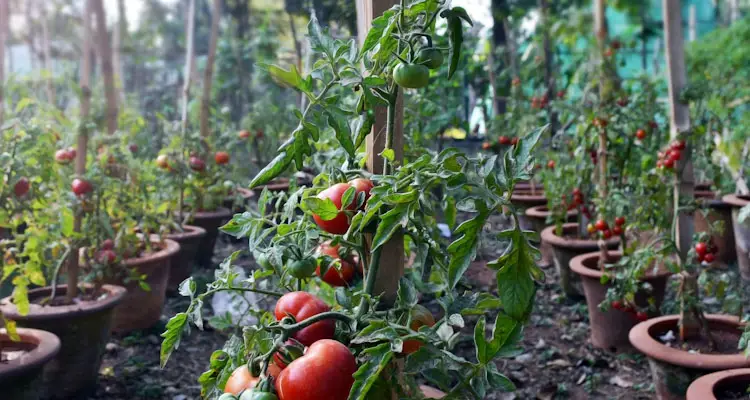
pixel 49 82
pixel 83 139
pixel 692 23
pixel 105 54
pixel 209 72
pixel 189 58
pixel 392 259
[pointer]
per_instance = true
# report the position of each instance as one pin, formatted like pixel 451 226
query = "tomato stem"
pixel 294 328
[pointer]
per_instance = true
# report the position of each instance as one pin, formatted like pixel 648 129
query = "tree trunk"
pixel 3 31
pixel 549 76
pixel 679 126
pixel 105 54
pixel 499 39
pixel 209 72
pixel 46 53
pixel 30 35
pixel 83 138
pixel 119 36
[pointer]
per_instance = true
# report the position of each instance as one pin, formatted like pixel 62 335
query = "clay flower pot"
pixel 741 233
pixel 180 266
pixel 22 363
pixel 83 329
pixel 719 211
pixel 141 309
pixel 526 198
pixel 431 393
pixel 567 246
pixel 717 385
pixel 210 221
pixel 538 216
pixel 609 330
pixel 673 369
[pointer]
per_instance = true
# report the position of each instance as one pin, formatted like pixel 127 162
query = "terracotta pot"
pixel 711 386
pixel 141 309
pixel 564 248
pixel 609 330
pixel 245 195
pixel 431 393
pixel 538 216
pixel 83 329
pixel 673 369
pixel 718 211
pixel 181 264
pixel 524 199
pixel 21 376
pixel 741 233
pixel 210 221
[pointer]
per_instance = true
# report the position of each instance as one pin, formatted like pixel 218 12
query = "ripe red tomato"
pixel 21 187
pixel 362 185
pixel 243 134
pixel 622 102
pixel 339 224
pixel 653 124
pixel 606 234
pixel 561 94
pixel 617 230
pixel 133 148
pixel 72 152
pixel 301 306
pixel 292 351
pixel 709 258
pixel 668 163
pixel 601 225
pixel 617 305
pixel 241 379
pixel 675 155
pixel 221 157
pixel 196 164
pixel 503 140
pixel 108 244
pixel 106 257
pixel 486 146
pixel 323 373
pixel 679 145
pixel 81 186
pixel 162 161
pixel 577 192
pixel 63 156
pixel 551 164
pixel 701 248
pixel 620 221
pixel 335 277
pixel 514 141
pixel 641 316
pixel 420 316
pixel 640 134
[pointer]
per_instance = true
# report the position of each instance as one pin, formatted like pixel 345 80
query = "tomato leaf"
pixel 275 167
pixel 323 208
pixel 516 270
pixel 407 293
pixel 348 197
pixel 172 337
pixel 464 249
pixel 361 126
pixel 390 222
pixel 338 122
pixel 290 78
pixel 456 39
pixel 377 358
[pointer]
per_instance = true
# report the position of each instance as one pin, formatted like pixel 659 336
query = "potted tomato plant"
pixel 366 339
pixel 23 355
pixel 729 384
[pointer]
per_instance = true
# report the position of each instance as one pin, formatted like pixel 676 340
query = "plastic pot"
pixel 180 266
pixel 741 233
pixel 718 211
pixel 609 330
pixel 21 375
pixel 141 309
pixel 673 369
pixel 567 246
pixel 714 386
pixel 210 221
pixel 538 216
pixel 83 329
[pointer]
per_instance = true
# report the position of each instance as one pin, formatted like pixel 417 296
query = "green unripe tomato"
pixel 413 76
pixel 227 396
pixel 219 359
pixel 263 261
pixel 252 394
pixel 430 57
pixel 303 268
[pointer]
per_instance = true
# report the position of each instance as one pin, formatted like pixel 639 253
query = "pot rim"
pixel 578 265
pixel 549 236
pixel 47 312
pixel 735 200
pixel 191 231
pixel 47 347
pixel 542 211
pixel 525 196
pixel 165 252
pixel 640 337
pixel 703 387
pixel 221 212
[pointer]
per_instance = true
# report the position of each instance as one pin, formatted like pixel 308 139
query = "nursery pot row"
pixel 537 216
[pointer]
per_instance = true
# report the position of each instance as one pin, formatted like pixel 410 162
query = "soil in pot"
pixel 210 221
pixel 724 385
pixel 675 365
pixel 83 329
pixel 609 330
pixel 741 233
pixel 538 216
pixel 523 199
pixel 716 211
pixel 564 248
pixel 181 264
pixel 140 308
pixel 22 363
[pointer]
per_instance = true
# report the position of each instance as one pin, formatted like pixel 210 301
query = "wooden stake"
pixel 392 259
pixel 46 54
pixel 83 139
pixel 189 57
pixel 3 24
pixel 209 72
pixel 105 54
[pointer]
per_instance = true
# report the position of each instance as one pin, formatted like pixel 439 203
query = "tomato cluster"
pixel 640 316
pixel 540 102
pixel 705 252
pixel 81 187
pixel 602 226
pixel 669 157
pixel 341 273
pixel 65 156
pixel 340 223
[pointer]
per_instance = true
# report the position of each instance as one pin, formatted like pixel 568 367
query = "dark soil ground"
pixel 558 363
